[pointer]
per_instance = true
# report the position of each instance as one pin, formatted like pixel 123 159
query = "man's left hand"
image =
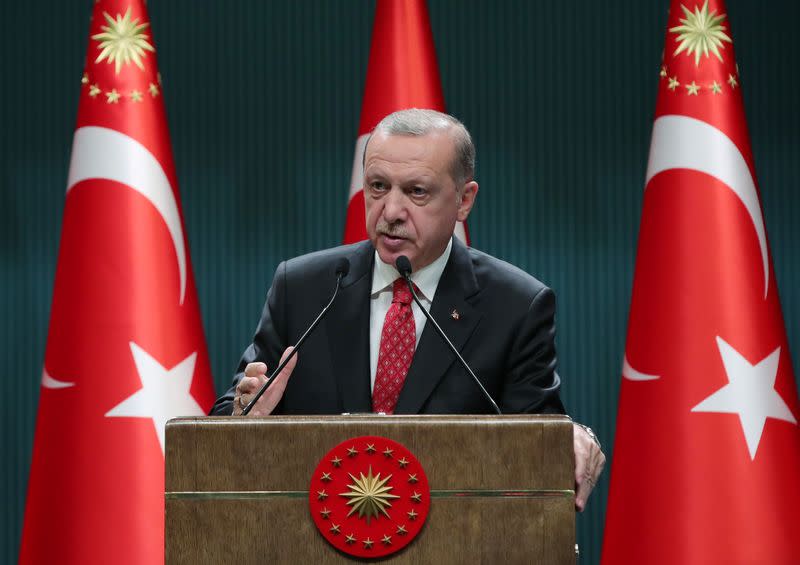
pixel 589 463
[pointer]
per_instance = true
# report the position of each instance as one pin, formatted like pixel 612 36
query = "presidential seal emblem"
pixel 369 496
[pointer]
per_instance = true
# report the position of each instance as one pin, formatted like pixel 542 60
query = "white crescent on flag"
pixel 103 153
pixel 50 382
pixel 633 375
pixel 680 142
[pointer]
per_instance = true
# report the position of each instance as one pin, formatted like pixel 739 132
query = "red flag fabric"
pixel 125 349
pixel 707 451
pixel 402 73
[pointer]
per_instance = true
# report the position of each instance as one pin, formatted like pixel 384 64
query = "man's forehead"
pixel 430 145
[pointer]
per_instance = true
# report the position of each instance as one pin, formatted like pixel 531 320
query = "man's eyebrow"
pixel 374 170
pixel 421 179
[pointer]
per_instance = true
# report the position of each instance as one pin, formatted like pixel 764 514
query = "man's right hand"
pixel 255 375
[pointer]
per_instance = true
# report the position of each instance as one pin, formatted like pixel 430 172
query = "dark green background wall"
pixel 263 100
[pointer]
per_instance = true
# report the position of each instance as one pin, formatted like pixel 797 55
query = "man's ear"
pixel 468 193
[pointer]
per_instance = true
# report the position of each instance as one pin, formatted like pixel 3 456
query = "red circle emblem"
pixel 369 496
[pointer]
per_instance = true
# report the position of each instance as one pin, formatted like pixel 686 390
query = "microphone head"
pixel 403 266
pixel 342 267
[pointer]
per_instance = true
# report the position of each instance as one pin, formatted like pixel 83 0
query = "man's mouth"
pixel 393 241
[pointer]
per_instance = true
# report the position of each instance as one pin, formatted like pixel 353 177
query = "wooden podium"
pixel 501 487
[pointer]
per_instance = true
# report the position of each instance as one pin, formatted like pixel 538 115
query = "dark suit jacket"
pixel 505 331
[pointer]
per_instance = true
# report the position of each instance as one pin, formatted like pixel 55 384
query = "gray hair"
pixel 418 122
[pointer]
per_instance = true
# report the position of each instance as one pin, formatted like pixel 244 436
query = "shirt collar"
pixel 426 279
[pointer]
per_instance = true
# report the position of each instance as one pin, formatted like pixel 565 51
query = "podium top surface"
pixel 458 452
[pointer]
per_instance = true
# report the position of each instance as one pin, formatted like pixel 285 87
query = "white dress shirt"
pixel 383 277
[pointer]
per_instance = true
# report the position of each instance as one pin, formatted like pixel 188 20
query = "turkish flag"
pixel 402 73
pixel 125 348
pixel 707 452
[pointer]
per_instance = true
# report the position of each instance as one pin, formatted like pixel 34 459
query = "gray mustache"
pixel 392 230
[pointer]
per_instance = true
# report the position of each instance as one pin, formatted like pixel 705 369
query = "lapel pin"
pixel 455 315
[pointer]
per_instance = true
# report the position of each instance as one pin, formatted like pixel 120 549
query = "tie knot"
pixel 400 292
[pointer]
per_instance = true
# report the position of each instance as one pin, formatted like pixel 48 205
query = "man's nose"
pixel 394 207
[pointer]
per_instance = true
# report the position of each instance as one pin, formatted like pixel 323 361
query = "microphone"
pixel 403 266
pixel 342 268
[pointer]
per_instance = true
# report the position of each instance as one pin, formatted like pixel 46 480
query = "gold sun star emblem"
pixel 123 41
pixel 701 33
pixel 369 495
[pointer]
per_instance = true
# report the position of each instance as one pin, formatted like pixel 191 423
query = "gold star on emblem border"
pixel 335 529
pixel 402 462
pixel 325 513
pixel 387 540
pixel 692 89
pixel 368 543
pixel 416 497
pixel 136 96
pixel 732 81
pixel 153 89
pixel 336 462
pixel 352 451
pixel 412 478
pixel 412 515
pixel 326 477
pixel 370 448
pixel 85 79
pixel 663 73
pixel 350 539
pixel 716 88
pixel 388 452
pixel 673 83
pixel 401 530
pixel 322 495
pixel 94 90
pixel 112 97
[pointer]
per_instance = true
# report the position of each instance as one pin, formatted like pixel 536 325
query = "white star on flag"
pixel 164 393
pixel 750 393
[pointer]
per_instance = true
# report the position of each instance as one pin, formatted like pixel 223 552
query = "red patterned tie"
pixel 398 339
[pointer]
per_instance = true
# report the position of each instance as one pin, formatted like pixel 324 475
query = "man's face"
pixel 412 204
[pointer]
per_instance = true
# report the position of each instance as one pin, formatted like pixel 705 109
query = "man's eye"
pixel 418 191
pixel 377 185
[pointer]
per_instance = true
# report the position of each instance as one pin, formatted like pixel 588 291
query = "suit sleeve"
pixel 532 384
pixel 269 340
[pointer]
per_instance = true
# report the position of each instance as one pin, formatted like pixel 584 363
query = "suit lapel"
pixel 433 357
pixel 348 333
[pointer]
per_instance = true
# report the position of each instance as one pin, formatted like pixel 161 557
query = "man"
pixel 372 352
